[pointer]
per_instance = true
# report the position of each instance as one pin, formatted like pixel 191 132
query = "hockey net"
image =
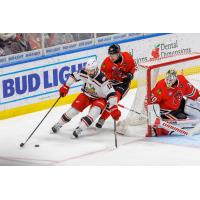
pixel 148 74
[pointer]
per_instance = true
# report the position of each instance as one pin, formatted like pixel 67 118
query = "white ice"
pixel 96 147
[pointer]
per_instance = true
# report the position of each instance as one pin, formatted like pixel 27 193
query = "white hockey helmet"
pixel 171 77
pixel 91 67
pixel 91 64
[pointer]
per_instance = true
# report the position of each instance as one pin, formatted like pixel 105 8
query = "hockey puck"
pixel 37 145
pixel 22 144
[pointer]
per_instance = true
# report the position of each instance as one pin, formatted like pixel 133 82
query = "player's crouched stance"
pixel 96 92
pixel 175 106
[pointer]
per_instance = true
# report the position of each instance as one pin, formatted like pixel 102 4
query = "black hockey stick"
pixel 115 133
pixel 22 144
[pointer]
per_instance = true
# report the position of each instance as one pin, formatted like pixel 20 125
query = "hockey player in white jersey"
pixel 97 92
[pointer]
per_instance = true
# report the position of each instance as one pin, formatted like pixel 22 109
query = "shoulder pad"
pixel 160 83
pixel 180 76
pixel 83 72
pixel 126 55
pixel 101 78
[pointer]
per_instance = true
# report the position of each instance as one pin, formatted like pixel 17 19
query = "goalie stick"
pixel 170 126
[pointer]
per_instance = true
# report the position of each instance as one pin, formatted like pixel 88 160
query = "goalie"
pixel 176 101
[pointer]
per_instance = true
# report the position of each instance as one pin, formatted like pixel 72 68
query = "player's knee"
pixel 100 103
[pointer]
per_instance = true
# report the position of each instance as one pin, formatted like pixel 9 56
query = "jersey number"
pixel 109 85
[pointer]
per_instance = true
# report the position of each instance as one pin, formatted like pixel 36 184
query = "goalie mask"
pixel 171 77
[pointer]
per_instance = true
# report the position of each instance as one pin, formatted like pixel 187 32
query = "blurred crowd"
pixel 12 43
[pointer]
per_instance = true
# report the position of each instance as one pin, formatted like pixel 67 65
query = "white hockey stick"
pixel 171 127
pixel 168 126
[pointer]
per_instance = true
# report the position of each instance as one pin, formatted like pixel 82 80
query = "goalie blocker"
pixel 188 126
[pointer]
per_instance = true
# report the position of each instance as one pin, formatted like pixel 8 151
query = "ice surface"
pixel 96 147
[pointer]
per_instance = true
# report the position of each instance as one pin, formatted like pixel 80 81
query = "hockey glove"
pixel 64 90
pixel 128 78
pixel 115 113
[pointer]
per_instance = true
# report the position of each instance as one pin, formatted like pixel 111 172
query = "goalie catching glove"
pixel 64 90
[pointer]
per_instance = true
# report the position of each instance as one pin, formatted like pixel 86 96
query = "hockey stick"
pixel 22 144
pixel 115 133
pixel 132 110
pixel 169 126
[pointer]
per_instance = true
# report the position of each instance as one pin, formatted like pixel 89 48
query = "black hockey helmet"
pixel 114 49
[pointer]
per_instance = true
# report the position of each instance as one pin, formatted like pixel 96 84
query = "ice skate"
pixel 56 128
pixel 100 123
pixel 76 132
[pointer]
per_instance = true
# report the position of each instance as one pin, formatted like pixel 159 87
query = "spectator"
pixel 11 43
pixel 82 36
pixel 34 40
pixel 104 34
pixel 5 40
pixel 53 39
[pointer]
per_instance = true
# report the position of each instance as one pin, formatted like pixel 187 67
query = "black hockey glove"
pixel 128 78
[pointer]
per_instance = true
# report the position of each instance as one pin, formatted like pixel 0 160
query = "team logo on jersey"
pixel 178 97
pixel 117 71
pixel 159 91
pixel 170 93
pixel 103 65
pixel 90 90
pixel 181 85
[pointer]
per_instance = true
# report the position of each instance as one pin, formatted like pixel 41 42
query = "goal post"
pixel 148 74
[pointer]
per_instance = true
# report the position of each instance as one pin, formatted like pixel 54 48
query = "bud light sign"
pixel 29 81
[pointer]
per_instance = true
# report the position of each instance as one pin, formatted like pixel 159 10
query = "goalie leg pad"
pixel 153 114
pixel 192 108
